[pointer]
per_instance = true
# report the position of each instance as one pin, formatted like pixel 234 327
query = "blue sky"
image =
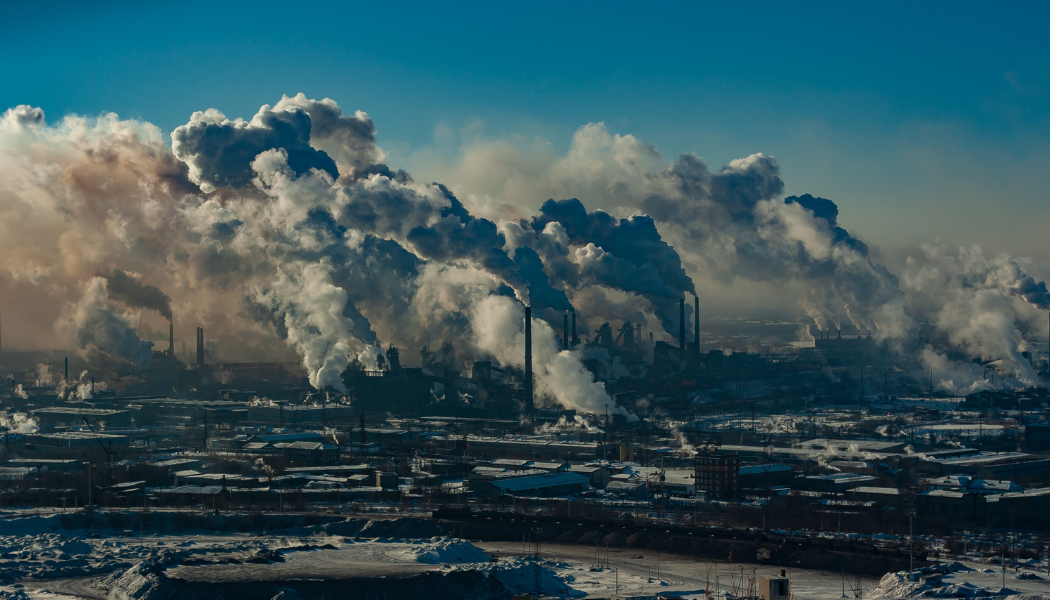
pixel 922 120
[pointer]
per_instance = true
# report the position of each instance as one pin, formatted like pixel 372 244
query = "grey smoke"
pixel 304 238
pixel 94 323
pixel 132 292
pixel 219 151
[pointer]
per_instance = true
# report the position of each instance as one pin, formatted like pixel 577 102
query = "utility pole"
pixel 911 546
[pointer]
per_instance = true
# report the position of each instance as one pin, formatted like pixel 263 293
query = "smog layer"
pixel 288 237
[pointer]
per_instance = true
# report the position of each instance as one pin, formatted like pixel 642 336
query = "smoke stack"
pixel 65 376
pixel 528 361
pixel 565 332
pixel 200 347
pixel 681 324
pixel 171 340
pixel 696 324
pixel 575 340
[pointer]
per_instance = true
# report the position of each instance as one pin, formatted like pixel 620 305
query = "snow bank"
pixel 450 551
pixel 519 575
pixel 141 582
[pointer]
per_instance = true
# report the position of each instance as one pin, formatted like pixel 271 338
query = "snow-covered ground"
pixel 37 563
pixel 966 580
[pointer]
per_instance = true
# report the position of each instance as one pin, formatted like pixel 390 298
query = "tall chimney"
pixel 681 324
pixel 565 332
pixel 66 376
pixel 696 324
pixel 528 361
pixel 575 340
pixel 200 347
pixel 171 340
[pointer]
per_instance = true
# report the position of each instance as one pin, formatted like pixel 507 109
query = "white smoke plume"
pixel 94 324
pixel 562 426
pixel 287 234
pixel 980 307
pixel 44 376
pixel 19 423
pixel 312 311
pixel 499 330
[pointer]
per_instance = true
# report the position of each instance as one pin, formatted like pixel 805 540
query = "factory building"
pixel 546 485
pixel 717 474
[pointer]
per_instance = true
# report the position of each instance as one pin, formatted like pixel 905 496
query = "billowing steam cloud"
pixel 289 231
pixel 980 307
pixel 499 330
pixel 94 323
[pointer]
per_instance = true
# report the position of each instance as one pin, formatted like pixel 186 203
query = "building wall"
pixel 717 474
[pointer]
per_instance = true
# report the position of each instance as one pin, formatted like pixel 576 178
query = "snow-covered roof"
pixel 539 482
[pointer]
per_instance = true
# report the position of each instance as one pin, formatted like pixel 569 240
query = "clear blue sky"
pixel 921 119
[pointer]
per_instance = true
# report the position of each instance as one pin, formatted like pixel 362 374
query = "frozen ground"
pixel 63 566
pixel 967 580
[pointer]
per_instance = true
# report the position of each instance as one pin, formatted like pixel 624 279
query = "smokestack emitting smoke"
pixel 200 347
pixel 681 324
pixel 171 340
pixel 529 407
pixel 338 251
pixel 575 339
pixel 65 370
pixel 133 292
pixel 696 324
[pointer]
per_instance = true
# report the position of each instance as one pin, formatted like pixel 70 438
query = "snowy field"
pixel 64 565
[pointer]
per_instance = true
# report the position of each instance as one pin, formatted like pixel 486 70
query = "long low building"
pixel 67 440
pixel 1030 509
pixel 548 485
pixel 63 416
pixel 997 465
pixel 534 448
pixel 282 414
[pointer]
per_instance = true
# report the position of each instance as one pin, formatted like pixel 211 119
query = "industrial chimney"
pixel 171 340
pixel 528 361
pixel 681 324
pixel 200 347
pixel 565 332
pixel 66 371
pixel 575 340
pixel 696 324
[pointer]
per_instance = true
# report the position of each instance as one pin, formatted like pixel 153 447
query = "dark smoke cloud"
pixel 350 140
pixel 634 240
pixel 134 293
pixel 625 254
pixel 304 237
pixel 219 151
pixel 825 209
pixel 734 219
